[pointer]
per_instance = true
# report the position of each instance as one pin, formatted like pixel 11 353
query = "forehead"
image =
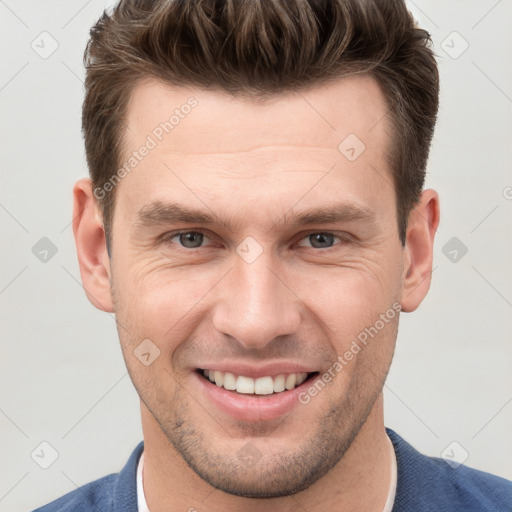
pixel 319 115
pixel 216 144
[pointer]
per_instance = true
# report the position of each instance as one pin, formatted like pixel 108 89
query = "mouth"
pixel 264 385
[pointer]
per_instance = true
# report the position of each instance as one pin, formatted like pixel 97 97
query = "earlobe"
pixel 90 245
pixel 418 250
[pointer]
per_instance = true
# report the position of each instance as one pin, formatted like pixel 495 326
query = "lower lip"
pixel 247 407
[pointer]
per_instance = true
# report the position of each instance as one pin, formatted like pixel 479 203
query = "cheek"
pixel 145 287
pixel 157 304
pixel 359 310
pixel 364 359
pixel 349 299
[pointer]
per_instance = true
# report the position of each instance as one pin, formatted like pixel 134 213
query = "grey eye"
pixel 191 239
pixel 321 240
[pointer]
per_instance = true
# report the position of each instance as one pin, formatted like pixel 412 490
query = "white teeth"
pixel 229 381
pixel 245 385
pixel 219 378
pixel 301 377
pixel 259 386
pixel 279 383
pixel 291 380
pixel 264 386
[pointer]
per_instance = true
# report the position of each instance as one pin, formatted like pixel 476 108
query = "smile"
pixel 265 385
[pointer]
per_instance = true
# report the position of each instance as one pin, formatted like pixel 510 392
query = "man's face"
pixel 257 294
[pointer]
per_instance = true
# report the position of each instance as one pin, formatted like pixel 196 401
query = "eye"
pixel 194 239
pixel 187 239
pixel 321 240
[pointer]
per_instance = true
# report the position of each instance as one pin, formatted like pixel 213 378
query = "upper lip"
pixel 262 370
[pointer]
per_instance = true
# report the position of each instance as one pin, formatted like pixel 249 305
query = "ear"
pixel 90 246
pixel 418 250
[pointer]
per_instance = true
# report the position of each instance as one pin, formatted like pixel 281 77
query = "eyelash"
pixel 166 239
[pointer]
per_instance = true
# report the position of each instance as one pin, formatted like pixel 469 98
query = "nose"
pixel 255 304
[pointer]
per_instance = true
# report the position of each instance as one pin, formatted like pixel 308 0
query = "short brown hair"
pixel 261 47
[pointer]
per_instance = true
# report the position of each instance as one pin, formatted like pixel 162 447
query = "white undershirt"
pixel 388 507
pixel 142 506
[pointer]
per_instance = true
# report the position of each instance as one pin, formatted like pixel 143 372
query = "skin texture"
pixel 252 162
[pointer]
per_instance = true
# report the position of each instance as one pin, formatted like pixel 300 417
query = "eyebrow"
pixel 159 213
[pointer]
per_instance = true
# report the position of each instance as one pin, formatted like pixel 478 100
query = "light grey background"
pixel 62 376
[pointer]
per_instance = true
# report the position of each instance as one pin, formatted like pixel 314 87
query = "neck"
pixel 358 482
